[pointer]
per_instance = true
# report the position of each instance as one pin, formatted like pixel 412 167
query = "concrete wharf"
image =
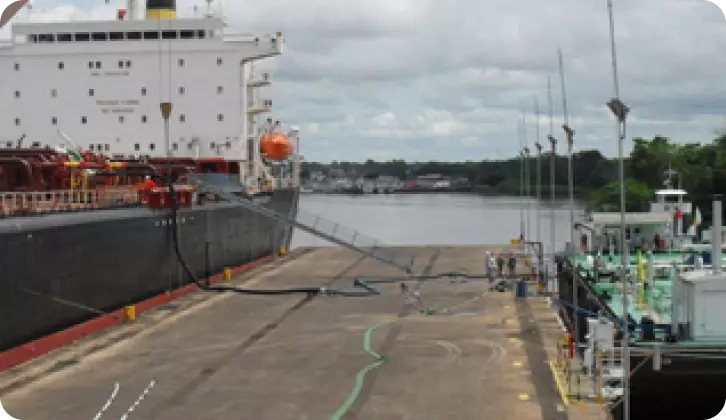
pixel 478 354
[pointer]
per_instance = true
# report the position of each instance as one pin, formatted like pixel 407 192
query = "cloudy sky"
pixel 451 79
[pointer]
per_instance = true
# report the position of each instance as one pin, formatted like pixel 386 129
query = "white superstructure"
pixel 100 83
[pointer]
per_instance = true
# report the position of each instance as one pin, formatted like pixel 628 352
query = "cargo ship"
pixel 109 124
pixel 676 334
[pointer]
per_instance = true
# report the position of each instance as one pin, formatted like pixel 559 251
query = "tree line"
pixel 701 168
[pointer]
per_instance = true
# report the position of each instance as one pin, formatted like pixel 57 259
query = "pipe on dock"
pixel 716 235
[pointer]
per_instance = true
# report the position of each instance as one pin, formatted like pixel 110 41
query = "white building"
pixel 101 84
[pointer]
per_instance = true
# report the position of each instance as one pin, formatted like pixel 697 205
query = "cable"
pixel 310 291
pixel 360 376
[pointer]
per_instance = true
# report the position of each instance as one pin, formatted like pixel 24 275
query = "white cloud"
pixel 447 79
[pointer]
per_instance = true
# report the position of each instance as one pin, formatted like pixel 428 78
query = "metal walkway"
pixel 330 231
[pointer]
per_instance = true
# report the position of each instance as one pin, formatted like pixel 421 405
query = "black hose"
pixel 310 291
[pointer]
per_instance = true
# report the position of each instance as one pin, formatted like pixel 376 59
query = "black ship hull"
pixel 107 259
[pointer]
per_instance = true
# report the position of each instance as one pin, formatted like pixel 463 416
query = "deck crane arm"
pixel 8 9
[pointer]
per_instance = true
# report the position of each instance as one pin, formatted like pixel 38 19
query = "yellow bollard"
pixel 129 313
pixel 227 274
pixel 283 251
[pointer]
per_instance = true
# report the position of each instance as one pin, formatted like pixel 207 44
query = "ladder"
pixel 326 229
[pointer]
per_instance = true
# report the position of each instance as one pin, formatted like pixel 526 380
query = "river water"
pixel 435 219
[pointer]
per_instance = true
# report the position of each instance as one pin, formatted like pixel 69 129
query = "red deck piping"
pixel 34 349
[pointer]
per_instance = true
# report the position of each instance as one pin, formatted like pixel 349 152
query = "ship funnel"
pixel 716 235
pixel 160 9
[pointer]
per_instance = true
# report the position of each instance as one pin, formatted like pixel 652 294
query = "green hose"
pixel 360 376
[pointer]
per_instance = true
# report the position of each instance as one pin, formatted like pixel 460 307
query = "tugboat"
pixel 130 107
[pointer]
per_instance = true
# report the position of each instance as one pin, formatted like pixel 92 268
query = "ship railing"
pixel 58 201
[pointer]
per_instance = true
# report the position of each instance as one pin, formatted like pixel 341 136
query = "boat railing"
pixel 57 201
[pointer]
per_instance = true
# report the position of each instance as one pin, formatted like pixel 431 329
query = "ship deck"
pixel 482 354
pixel 656 303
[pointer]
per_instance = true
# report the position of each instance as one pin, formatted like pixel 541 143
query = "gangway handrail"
pixel 246 202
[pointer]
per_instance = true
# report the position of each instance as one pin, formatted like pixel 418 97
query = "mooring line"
pixel 109 401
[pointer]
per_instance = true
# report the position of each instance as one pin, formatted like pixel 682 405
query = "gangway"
pixel 325 229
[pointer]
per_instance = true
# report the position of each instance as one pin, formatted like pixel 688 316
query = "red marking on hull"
pixel 34 349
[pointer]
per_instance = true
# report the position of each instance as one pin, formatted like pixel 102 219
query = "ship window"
pixel 212 145
pixel 91 92
pixel 121 119
pixel 186 34
pixel 116 36
pixel 9 144
pixel 219 61
pixel 90 64
pixel 143 91
pixel 120 64
pixel 228 144
pixel 98 64
pixel 17 66
pixel 133 35
pixel 99 147
pixel 143 119
pixel 201 34
pixel 137 146
pixel 54 120
pixel 33 38
pixel 189 146
pixel 99 36
pixel 107 147
pixel 35 144
pixel 46 38
pixel 53 93
pixel 175 146
pixel 91 147
pixel 128 64
pixel 152 146
pixel 181 62
pixel 84 120
pixel 151 35
pixel 17 121
pixel 220 89
pixel 181 90
pixel 220 117
pixel 182 118
pixel 67 37
pixel 82 37
pixel 168 35
pixel 61 65
pixel 17 93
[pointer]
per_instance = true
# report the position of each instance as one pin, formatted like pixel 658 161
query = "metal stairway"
pixel 326 229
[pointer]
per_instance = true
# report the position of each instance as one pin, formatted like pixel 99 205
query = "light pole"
pixel 521 194
pixel 569 134
pixel 528 186
pixel 620 110
pixel 521 185
pixel 553 151
pixel 538 146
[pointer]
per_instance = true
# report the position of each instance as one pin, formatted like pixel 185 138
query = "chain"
pixel 138 400
pixel 110 399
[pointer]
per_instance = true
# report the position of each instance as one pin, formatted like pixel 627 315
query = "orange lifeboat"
pixel 276 146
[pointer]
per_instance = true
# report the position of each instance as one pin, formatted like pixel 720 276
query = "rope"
pixel 360 376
